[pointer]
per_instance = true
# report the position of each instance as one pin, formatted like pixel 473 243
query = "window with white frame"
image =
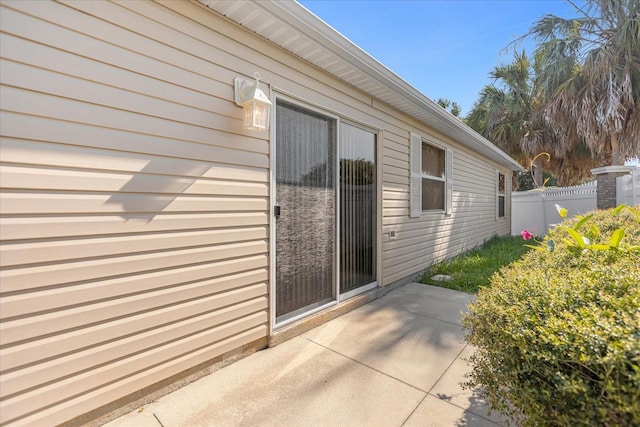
pixel 500 195
pixel 431 184
pixel 433 178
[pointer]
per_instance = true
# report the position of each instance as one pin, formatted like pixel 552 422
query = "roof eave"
pixel 393 90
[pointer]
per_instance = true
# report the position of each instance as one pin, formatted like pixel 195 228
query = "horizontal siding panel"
pixel 396 149
pixel 408 241
pixel 63 39
pixel 448 245
pixel 406 252
pixel 393 170
pixel 391 212
pixel 400 271
pixel 29 352
pixel 74 203
pixel 397 203
pixel 32 178
pixel 89 358
pixel 395 195
pixel 30 278
pixel 209 53
pixel 422 258
pixel 108 392
pixel 24 126
pixel 402 164
pixel 82 67
pixel 402 275
pixel 46 154
pixel 393 186
pixel 51 83
pixel 71 387
pixel 14 331
pixel 396 179
pixel 39 104
pixel 65 251
pixel 79 226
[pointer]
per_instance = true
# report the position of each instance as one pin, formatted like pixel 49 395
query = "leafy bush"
pixel 558 332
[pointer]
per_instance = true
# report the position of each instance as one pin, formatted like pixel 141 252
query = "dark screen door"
pixel 305 193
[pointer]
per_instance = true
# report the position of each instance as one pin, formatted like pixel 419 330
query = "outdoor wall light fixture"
pixel 256 104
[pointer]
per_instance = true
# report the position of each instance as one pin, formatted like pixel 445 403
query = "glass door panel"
pixel 357 207
pixel 305 195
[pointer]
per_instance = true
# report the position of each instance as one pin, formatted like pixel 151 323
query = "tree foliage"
pixel 509 112
pixel 589 76
pixel 451 106
pixel 505 110
pixel 578 98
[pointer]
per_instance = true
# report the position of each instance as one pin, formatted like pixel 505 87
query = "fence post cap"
pixel 612 169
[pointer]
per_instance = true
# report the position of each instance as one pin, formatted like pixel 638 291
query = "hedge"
pixel 557 333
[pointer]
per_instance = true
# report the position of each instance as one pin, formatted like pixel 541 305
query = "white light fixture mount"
pixel 256 104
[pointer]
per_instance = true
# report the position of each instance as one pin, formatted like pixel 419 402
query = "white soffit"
pixel 294 28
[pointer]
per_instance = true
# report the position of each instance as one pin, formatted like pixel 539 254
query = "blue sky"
pixel 444 48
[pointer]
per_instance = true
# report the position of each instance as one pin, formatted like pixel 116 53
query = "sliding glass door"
pixel 305 197
pixel 325 208
pixel 357 207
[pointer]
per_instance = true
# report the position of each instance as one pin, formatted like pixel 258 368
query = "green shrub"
pixel 557 333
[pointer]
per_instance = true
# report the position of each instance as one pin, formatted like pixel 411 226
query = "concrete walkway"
pixel 397 361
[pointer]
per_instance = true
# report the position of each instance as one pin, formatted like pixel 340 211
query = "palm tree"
pixel 507 112
pixel 503 111
pixel 589 75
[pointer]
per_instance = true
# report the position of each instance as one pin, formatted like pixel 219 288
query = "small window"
pixel 501 195
pixel 433 178
pixel 430 177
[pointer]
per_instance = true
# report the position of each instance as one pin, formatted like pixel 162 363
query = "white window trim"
pixel 448 172
pixel 498 194
pixel 415 179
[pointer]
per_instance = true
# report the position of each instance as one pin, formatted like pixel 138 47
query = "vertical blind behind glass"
pixel 357 207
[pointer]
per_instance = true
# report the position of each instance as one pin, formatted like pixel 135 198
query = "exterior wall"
pixel 136 208
pixel 436 236
pixel 134 205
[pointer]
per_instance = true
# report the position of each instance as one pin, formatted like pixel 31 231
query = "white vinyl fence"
pixel 628 188
pixel 536 210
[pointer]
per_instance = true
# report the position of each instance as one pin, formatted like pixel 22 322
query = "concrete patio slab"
pixel 449 388
pixel 430 301
pixel 410 347
pixel 301 383
pixel 393 362
pixel 434 412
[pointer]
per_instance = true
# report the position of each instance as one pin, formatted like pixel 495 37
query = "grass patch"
pixel 473 269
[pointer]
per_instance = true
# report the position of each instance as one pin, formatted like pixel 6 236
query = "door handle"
pixel 276 211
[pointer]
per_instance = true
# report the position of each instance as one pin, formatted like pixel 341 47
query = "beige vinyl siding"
pixel 434 236
pixel 135 208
